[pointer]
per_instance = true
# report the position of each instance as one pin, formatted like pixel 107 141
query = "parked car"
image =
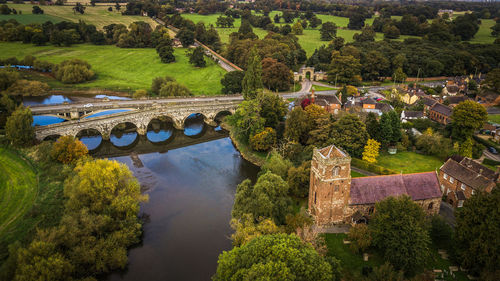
pixel 492 150
pixel 88 105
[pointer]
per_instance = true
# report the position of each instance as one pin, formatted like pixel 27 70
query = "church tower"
pixel 330 184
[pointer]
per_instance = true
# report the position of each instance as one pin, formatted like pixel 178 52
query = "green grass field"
pixel 356 175
pixel 98 16
pixel 310 40
pixel 318 88
pixel 18 191
pixel 125 69
pixel 409 162
pixel 494 118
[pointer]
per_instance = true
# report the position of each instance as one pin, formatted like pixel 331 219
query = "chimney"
pixel 312 96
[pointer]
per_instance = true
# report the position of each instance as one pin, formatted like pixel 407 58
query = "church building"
pixel 335 197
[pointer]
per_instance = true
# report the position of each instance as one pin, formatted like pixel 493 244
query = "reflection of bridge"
pixel 177 113
pixel 143 146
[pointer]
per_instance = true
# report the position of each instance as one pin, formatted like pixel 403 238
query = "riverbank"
pixel 256 158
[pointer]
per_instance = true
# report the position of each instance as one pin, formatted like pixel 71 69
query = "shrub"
pixel 68 149
pixel 29 88
pixel 73 71
pixel 173 89
pixel 264 140
pixel 140 94
pixel 158 82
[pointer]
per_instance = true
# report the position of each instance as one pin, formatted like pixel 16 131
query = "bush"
pixel 73 71
pixel 7 78
pixel 264 140
pixel 68 149
pixel 174 89
pixel 158 82
pixel 140 94
pixel 363 165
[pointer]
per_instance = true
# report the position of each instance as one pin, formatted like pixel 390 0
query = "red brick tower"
pixel 329 189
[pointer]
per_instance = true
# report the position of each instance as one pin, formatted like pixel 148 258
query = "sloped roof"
pixel 456 99
pixel 465 175
pixel 384 107
pixel 328 96
pixel 369 101
pixel 443 109
pixel 369 190
pixel 428 101
pixel 332 151
pixel 414 114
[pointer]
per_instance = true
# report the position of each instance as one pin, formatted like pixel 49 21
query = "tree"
pixel 231 83
pixel 158 82
pixel 79 8
pixel 68 149
pixel 315 22
pixel 73 71
pixel 277 165
pixel 39 39
pixel 467 117
pixel 390 128
pixel 349 133
pixel 374 64
pixel 246 121
pixel 370 152
pixel 492 80
pixel 360 238
pixel 399 232
pixel 37 11
pixel 328 31
pixel 476 233
pixel 399 75
pixel 41 261
pixel 268 198
pixel 117 6
pixel 297 28
pixel 173 89
pixel 285 29
pixel 297 126
pixel 196 57
pixel 18 128
pixel 372 126
pixel 386 272
pixel 344 69
pixel 166 54
pixel 396 126
pixel 252 81
pixel 264 140
pixel 186 36
pixel 356 21
pixel 276 75
pixel 298 179
pixel 391 31
pixel 275 257
pixel 246 229
pixel 7 106
pixel 273 109
pixel 7 78
pixel 29 88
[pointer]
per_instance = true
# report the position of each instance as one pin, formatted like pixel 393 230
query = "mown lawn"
pixel 18 191
pixel 494 118
pixel 98 16
pixel 356 174
pixel 318 88
pixel 409 162
pixel 125 69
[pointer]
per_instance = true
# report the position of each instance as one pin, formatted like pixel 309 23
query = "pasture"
pixel 310 39
pixel 98 16
pixel 125 69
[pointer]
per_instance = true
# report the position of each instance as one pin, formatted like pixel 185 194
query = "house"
pixel 411 115
pixel 410 95
pixel 368 105
pixel 428 103
pixel 440 113
pixel 327 99
pixel 461 177
pixel 453 101
pixel 335 197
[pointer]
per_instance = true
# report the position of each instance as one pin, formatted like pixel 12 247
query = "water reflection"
pixel 43 120
pixel 111 97
pixel 91 138
pixel 53 99
pixel 107 112
pixel 191 193
pixel 194 124
pixel 159 131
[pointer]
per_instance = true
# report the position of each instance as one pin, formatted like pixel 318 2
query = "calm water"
pixel 58 99
pixel 191 192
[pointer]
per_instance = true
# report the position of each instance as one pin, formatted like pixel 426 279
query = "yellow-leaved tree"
pixel 68 149
pixel 370 152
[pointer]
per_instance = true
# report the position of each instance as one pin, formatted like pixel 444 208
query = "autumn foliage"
pixel 264 140
pixel 68 149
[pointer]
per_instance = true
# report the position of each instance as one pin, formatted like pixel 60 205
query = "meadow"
pixel 18 191
pixel 409 162
pixel 125 69
pixel 310 39
pixel 98 16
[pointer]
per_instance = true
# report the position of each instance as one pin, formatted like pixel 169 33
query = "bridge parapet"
pixel 140 118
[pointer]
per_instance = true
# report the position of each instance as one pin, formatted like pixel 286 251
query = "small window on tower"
pixel 314 197
pixel 370 211
pixel 336 188
pixel 336 171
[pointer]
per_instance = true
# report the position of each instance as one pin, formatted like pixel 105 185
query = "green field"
pixel 409 162
pixel 98 16
pixel 356 174
pixel 310 40
pixel 125 69
pixel 494 118
pixel 318 88
pixel 18 191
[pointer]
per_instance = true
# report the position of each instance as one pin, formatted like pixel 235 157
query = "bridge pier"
pixel 210 121
pixel 142 130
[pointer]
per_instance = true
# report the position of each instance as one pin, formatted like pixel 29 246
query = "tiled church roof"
pixel 369 190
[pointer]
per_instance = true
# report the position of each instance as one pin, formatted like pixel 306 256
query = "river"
pixel 191 178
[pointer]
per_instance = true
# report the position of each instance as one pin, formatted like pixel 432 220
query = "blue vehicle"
pixel 492 150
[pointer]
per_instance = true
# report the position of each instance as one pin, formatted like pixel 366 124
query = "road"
pixel 491 156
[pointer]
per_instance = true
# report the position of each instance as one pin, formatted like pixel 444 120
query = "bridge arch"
pixel 160 129
pixel 124 134
pixel 92 138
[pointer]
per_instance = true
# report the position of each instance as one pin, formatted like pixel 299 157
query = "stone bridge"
pixel 176 113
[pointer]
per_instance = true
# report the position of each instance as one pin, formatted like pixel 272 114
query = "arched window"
pixel 430 205
pixel 336 171
pixel 370 211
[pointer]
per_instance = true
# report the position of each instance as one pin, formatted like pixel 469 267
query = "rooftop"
pixel 469 172
pixel 443 109
pixel 332 151
pixel 369 190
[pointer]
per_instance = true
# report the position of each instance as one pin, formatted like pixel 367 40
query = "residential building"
pixel 440 113
pixel 461 177
pixel 411 115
